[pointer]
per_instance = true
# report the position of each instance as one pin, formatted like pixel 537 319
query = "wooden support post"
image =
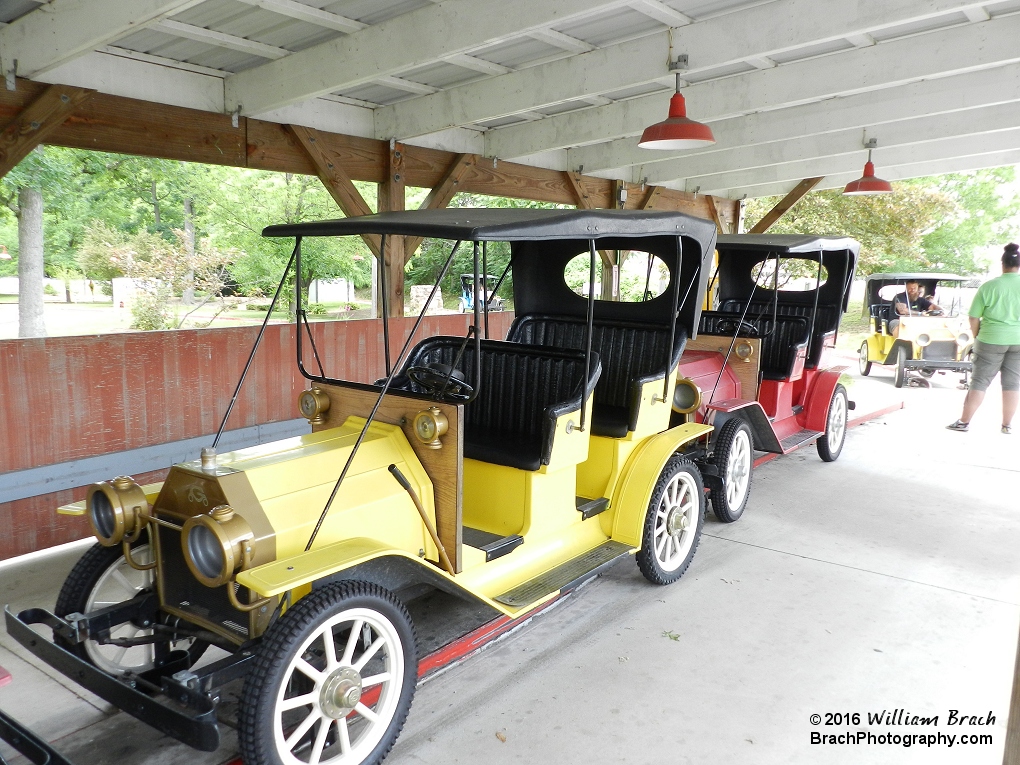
pixel 337 182
pixel 583 202
pixel 392 199
pixel 650 200
pixel 441 195
pixel 785 204
pixel 714 210
pixel 41 117
pixel 1011 754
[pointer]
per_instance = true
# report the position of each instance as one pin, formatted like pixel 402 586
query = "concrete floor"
pixel 887 580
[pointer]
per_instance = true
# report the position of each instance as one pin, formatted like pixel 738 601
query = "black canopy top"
pixel 741 254
pixel 506 225
pixel 916 277
pixel 788 243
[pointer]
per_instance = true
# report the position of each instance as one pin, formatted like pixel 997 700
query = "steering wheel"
pixel 737 327
pixel 434 377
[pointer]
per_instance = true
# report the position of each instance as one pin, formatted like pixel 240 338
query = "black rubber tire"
pixel 83 579
pixel 728 435
pixel 900 373
pixel 256 719
pixel 830 453
pixel 647 560
pixel 863 362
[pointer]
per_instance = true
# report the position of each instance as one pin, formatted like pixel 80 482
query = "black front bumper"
pixel 954 366
pixel 194 723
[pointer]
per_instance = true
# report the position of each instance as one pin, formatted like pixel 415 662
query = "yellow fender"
pixel 305 568
pixel 640 474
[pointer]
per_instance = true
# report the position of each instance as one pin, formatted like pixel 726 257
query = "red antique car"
pixel 759 367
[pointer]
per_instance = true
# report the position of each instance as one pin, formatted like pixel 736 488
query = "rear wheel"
pixel 101 578
pixel 900 375
pixel 830 444
pixel 864 363
pixel 332 682
pixel 673 522
pixel 734 459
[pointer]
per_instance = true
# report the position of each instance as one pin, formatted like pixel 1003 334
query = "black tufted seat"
pixel 632 354
pixel 826 322
pixel 781 339
pixel 522 392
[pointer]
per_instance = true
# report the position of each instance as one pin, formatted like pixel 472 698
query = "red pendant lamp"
pixel 676 132
pixel 868 184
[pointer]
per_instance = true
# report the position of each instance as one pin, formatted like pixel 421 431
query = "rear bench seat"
pixel 781 339
pixel 523 390
pixel 826 322
pixel 632 354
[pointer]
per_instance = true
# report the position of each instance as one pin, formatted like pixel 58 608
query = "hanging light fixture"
pixel 868 184
pixel 677 132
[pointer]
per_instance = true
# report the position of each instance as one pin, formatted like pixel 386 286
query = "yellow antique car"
pixel 502 472
pixel 918 338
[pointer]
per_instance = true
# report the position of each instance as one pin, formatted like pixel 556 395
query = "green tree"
pixel 986 209
pixel 250 200
pixel 937 224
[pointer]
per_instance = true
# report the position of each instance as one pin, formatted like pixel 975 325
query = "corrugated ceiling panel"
pixel 916 27
pixel 377 94
pixel 738 67
pixel 810 51
pixel 518 52
pixel 374 11
pixel 999 9
pixel 605 28
pixel 637 90
pixel 442 75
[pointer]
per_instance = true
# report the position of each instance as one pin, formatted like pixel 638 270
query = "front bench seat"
pixel 523 391
pixel 632 354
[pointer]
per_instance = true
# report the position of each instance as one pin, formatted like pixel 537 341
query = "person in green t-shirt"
pixel 995 322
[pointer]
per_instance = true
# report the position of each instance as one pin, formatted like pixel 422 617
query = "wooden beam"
pixel 440 196
pixel 785 204
pixel 1011 755
pixel 337 182
pixel 582 200
pixel 131 126
pixel 650 201
pixel 714 211
pixel 36 121
pixel 392 199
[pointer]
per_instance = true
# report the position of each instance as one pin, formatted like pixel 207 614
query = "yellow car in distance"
pixel 921 340
pixel 498 473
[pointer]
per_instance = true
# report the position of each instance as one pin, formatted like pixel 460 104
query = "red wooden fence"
pixel 66 398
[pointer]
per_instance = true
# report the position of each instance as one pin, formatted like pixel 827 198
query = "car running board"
pixel 493 545
pixel 798 439
pixel 566 576
pixel 589 507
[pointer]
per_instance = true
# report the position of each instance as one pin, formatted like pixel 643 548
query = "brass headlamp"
pixel 686 396
pixel 217 545
pixel 117 510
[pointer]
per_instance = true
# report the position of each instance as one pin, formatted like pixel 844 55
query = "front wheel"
pixel 735 459
pixel 101 578
pixel 900 375
pixel 865 364
pixel 673 522
pixel 830 444
pixel 332 682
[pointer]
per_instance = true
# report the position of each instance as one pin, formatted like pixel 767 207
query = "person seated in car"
pixel 912 302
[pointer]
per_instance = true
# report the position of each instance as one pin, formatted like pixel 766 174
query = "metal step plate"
pixel 799 438
pixel 493 545
pixel 589 507
pixel 565 576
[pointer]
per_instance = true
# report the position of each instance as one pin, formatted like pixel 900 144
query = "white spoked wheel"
pixel 863 361
pixel 673 522
pixel 101 578
pixel 734 458
pixel 830 444
pixel 333 681
pixel 118 583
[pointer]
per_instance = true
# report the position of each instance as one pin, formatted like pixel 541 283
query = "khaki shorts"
pixel 990 359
